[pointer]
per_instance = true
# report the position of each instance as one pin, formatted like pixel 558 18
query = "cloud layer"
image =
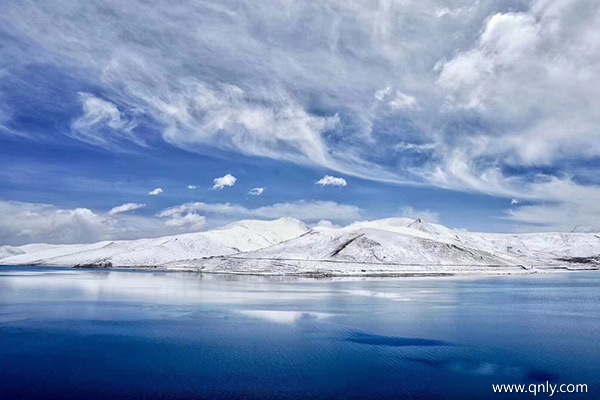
pixel 304 210
pixel 23 223
pixel 493 97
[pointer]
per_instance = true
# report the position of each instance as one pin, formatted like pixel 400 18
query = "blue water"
pixel 89 334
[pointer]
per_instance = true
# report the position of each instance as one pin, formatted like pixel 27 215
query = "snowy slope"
pixel 401 245
pixel 360 248
pixel 531 248
pixel 373 245
pixel 234 238
pixel 8 251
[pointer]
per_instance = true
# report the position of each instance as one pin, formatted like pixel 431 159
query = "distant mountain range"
pixel 287 246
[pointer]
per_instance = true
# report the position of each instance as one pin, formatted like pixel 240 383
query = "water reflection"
pixel 154 334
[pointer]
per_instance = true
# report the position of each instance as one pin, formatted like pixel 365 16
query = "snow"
pixel 8 251
pixel 393 246
pixel 234 238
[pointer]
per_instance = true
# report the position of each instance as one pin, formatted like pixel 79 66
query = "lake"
pixel 91 334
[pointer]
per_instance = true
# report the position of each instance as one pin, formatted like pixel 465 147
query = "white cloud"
pixel 227 180
pixel 445 11
pixel 304 210
pixel 102 124
pixel 325 224
pixel 187 221
pixel 97 111
pixel 425 215
pixel 127 207
pixel 264 122
pixel 212 96
pixel 256 191
pixel 329 180
pixel 403 101
pixel 383 93
pixel 514 201
pixel 23 223
pixel 519 74
pixel 566 206
pixel 4 117
pixel 192 187
pixel 155 192
pixel 396 100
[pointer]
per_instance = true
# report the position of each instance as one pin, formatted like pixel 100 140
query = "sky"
pixel 123 120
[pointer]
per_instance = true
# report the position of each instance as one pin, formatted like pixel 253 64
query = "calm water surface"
pixel 115 334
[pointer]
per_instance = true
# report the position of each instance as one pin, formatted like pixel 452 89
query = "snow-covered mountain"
pixel 235 238
pixel 288 246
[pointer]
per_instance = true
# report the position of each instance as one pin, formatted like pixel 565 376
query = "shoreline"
pixel 317 275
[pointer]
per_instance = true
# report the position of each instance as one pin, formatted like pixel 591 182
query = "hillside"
pixel 405 246
pixel 238 237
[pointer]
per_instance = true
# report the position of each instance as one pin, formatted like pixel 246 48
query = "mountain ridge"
pixel 289 246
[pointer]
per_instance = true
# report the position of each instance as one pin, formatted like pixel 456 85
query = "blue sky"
pixel 481 116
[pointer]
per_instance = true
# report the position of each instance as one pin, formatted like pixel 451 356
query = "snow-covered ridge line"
pixel 392 246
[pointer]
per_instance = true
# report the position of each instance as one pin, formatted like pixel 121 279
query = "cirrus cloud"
pixel 102 124
pixel 475 97
pixel 127 207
